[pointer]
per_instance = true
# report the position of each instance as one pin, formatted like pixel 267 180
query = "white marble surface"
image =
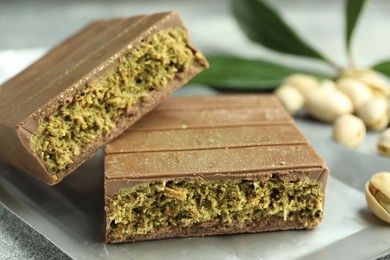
pixel 42 24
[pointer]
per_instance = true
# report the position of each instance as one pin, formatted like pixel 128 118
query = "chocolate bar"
pixel 55 114
pixel 212 165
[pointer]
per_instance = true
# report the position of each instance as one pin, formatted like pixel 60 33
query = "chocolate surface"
pixel 216 138
pixel 51 82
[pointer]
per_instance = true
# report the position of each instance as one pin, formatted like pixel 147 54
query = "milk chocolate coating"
pixel 212 138
pixel 52 81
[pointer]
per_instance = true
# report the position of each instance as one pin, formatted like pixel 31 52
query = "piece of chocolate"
pixel 198 166
pixel 55 114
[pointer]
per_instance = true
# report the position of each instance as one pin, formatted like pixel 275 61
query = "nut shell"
pixel 375 113
pixel 349 130
pixel 358 92
pixel 291 98
pixel 304 83
pixel 370 78
pixel 327 103
pixel 379 182
pixel 383 143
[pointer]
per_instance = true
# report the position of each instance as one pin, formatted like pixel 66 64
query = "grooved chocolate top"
pixel 52 81
pixel 78 60
pixel 212 137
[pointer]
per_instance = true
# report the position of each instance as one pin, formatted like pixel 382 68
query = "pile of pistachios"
pixel 356 102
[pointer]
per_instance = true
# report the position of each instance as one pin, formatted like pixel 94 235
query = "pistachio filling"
pixel 148 207
pixel 94 110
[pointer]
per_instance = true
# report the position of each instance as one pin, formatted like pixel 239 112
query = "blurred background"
pixel 45 23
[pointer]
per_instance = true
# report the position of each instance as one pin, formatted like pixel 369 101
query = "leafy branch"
pixel 265 26
pixel 230 72
pixel 352 12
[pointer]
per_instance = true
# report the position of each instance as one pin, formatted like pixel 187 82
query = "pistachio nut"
pixel 291 98
pixel 327 84
pixel 375 113
pixel 326 103
pixel 378 195
pixel 358 92
pixel 349 130
pixel 383 143
pixel 370 78
pixel 304 83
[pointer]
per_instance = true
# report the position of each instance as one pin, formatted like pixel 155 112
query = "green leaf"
pixel 264 25
pixel 383 67
pixel 229 72
pixel 353 9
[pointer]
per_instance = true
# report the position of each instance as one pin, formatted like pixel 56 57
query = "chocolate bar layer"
pixel 55 114
pixel 198 166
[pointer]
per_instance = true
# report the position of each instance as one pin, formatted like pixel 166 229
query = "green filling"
pixel 92 112
pixel 148 207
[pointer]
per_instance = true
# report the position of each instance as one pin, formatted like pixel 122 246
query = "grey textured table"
pixel 31 24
